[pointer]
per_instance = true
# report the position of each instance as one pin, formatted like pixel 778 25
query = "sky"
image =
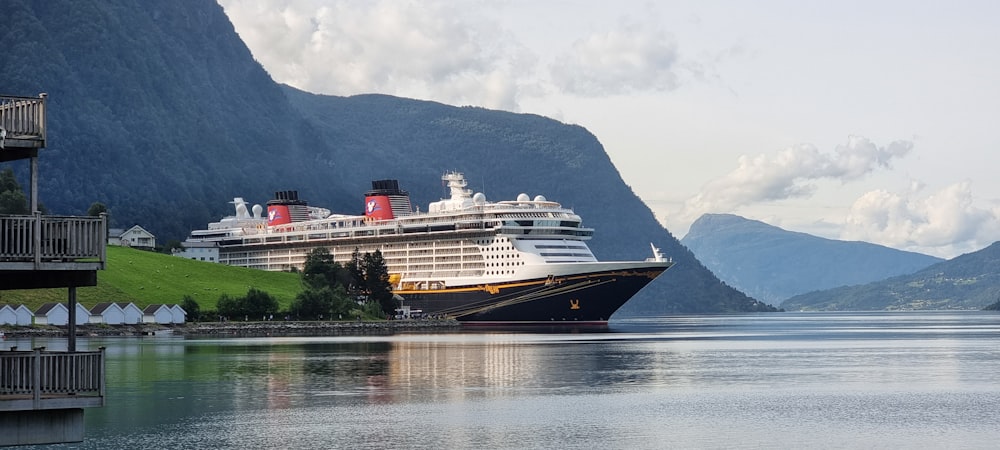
pixel 873 121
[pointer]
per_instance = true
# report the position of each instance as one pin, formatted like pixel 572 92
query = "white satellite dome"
pixel 479 199
pixel 257 209
pixel 523 198
pixel 539 198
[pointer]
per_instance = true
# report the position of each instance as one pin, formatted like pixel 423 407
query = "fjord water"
pixel 788 380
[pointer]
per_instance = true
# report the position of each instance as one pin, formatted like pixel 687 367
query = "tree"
pixel 258 303
pixel 320 270
pixel 377 282
pixel 12 198
pixel 96 209
pixel 357 271
pixel 192 308
pixel 312 304
pixel 171 245
pixel 227 306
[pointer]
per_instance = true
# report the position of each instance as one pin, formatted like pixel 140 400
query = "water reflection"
pixel 645 383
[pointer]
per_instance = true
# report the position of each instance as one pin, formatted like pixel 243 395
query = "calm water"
pixel 791 380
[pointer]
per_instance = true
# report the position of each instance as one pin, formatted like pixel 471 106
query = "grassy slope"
pixel 145 278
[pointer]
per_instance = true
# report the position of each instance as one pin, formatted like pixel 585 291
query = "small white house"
pixel 136 236
pixel 107 313
pixel 178 314
pixel 157 314
pixel 132 313
pixel 7 315
pixel 23 315
pixel 52 314
pixel 82 315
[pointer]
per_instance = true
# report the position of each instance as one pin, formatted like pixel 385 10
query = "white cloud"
pixel 633 57
pixel 790 173
pixel 442 51
pixel 944 223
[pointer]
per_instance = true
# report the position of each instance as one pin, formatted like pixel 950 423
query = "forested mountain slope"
pixel 969 281
pixel 158 110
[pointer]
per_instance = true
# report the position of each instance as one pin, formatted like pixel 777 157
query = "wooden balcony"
pixel 39 251
pixel 36 380
pixel 22 126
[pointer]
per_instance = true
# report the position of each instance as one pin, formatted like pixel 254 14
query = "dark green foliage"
pixel 171 245
pixel 190 305
pixel 258 303
pixel 228 307
pixel 355 267
pixel 326 283
pixel 322 303
pixel 329 286
pixel 12 198
pixel 377 282
pixel 96 209
pixel 320 270
pixel 159 109
pixel 255 305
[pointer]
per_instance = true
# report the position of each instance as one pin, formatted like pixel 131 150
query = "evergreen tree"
pixel 12 198
pixel 377 282
pixel 357 271
pixel 228 307
pixel 258 303
pixel 96 209
pixel 320 270
pixel 192 308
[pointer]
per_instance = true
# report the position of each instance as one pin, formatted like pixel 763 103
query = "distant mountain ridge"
pixel 773 264
pixel 969 281
pixel 158 110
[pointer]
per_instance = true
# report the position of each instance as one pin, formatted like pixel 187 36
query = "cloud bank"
pixel 452 52
pixel 790 173
pixel 944 223
pixel 632 57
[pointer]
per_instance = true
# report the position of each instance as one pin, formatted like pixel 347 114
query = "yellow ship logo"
pixel 574 303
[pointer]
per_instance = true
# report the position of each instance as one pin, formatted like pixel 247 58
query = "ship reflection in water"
pixel 789 380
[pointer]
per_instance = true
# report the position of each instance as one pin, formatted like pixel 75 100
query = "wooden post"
pixel 36 378
pixel 71 326
pixel 34 182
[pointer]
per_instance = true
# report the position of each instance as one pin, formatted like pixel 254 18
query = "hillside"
pixel 159 111
pixel 772 264
pixel 970 281
pixel 145 278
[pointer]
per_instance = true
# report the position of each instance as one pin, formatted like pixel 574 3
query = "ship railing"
pixel 41 379
pixel 44 239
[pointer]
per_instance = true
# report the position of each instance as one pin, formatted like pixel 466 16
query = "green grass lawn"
pixel 146 278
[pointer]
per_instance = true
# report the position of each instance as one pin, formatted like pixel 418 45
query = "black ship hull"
pixel 587 298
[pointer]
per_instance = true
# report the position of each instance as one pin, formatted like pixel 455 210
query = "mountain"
pixel 969 281
pixel 159 111
pixel 772 264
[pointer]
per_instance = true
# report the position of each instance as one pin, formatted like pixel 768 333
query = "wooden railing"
pixel 47 380
pixel 22 119
pixel 41 238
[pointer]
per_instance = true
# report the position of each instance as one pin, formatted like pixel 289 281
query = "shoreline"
pixel 237 329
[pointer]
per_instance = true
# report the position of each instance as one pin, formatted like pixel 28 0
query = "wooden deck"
pixel 36 380
pixel 39 251
pixel 22 126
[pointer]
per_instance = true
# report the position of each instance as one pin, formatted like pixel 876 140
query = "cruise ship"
pixel 523 261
